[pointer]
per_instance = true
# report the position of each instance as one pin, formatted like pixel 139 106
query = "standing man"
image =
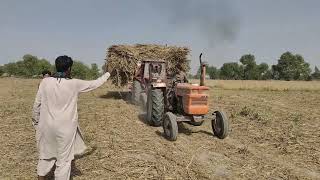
pixel 55 119
pixel 46 73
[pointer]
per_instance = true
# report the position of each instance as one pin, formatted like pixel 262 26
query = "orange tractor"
pixel 170 100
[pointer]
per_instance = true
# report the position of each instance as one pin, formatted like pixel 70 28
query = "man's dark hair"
pixel 46 72
pixel 63 63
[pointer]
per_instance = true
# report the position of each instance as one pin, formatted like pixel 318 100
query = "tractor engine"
pixel 194 99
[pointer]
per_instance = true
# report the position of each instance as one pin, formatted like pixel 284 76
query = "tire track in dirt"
pixel 270 159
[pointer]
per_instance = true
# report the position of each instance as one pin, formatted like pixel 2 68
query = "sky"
pixel 223 30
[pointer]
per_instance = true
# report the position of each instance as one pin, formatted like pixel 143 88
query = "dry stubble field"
pixel 274 134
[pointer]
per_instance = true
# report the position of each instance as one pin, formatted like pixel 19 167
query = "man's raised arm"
pixel 85 86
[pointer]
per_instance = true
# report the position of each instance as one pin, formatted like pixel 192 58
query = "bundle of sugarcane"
pixel 121 60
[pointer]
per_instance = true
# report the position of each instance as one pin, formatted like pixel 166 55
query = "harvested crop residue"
pixel 274 135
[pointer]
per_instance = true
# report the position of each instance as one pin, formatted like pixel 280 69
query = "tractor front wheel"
pixel 220 125
pixel 170 126
pixel 155 107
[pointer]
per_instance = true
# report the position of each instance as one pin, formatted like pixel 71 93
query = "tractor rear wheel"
pixel 170 126
pixel 220 125
pixel 136 91
pixel 155 107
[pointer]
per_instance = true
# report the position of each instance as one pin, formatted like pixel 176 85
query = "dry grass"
pixel 269 85
pixel 274 135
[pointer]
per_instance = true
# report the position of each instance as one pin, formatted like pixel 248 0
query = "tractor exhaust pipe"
pixel 202 72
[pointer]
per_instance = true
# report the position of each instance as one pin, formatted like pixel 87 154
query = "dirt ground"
pixel 273 135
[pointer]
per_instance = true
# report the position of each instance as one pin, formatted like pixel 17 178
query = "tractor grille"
pixel 200 101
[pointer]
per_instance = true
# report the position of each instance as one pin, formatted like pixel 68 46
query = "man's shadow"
pixel 124 95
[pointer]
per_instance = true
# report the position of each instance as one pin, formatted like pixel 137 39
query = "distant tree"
pixel 94 71
pixel 21 69
pixel 1 70
pixel 31 65
pixel 291 67
pixel 275 72
pixel 27 67
pixel 316 73
pixel 231 71
pixel 251 70
pixel 211 71
pixel 267 75
pixel 214 72
pixel 10 68
pixel 42 65
pixel 80 70
pixel 263 72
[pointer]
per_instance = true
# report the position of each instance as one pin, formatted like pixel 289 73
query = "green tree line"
pixel 31 66
pixel 289 67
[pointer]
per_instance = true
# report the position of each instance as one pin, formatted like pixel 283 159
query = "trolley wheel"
pixel 220 125
pixel 170 126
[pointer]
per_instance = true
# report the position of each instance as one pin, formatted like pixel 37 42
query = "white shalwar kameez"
pixel 55 118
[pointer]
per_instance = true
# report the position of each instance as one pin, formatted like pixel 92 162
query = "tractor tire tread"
pixel 225 125
pixel 157 106
pixel 136 92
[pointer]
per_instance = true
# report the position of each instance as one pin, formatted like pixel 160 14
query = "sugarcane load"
pixel 122 60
